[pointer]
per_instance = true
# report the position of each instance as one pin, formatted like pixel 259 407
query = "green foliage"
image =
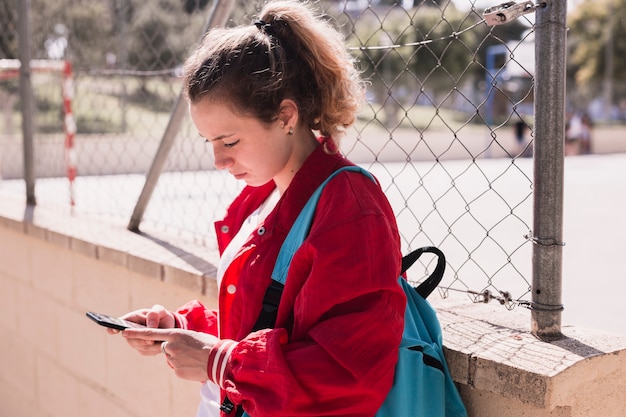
pixel 159 36
pixel 90 36
pixel 142 35
pixel 423 55
pixel 587 37
pixel 8 35
pixel 420 41
pixel 416 3
pixel 444 46
pixel 191 6
pixel 589 33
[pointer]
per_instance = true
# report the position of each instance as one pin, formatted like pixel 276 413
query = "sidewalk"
pixel 594 270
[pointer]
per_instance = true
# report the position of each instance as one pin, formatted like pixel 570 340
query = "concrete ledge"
pixel 144 253
pixel 500 367
pixel 491 350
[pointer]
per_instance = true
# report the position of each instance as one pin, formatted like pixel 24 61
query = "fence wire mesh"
pixel 447 128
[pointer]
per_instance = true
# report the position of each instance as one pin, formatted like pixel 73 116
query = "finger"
pixel 150 334
pixel 143 348
pixel 143 344
pixel 138 316
pixel 156 314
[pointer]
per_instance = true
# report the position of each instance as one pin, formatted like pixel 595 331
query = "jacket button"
pixel 231 289
pixel 225 229
pixel 261 231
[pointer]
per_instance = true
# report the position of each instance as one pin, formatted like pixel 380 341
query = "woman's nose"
pixel 221 160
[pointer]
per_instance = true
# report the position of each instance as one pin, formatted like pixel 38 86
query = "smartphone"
pixel 112 322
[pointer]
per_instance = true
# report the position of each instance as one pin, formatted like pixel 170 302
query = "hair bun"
pixel 263 26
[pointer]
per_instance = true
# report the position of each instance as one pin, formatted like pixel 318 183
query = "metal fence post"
pixel 26 96
pixel 218 17
pixel 550 52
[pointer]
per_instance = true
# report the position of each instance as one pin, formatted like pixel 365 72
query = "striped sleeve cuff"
pixel 218 359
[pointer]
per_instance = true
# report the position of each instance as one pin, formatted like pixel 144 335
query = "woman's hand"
pixel 155 317
pixel 186 351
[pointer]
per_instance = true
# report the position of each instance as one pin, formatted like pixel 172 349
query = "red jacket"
pixel 340 320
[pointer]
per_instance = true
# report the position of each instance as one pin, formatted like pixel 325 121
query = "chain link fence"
pixel 447 129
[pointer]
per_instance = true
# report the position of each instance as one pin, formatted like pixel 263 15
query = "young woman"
pixel 272 99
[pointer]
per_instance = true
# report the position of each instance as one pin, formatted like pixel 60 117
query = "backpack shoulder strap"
pixel 428 286
pixel 302 225
pixel 295 237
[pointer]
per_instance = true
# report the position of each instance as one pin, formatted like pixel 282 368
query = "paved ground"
pixel 594 271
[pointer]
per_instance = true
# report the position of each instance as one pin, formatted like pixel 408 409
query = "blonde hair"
pixel 289 52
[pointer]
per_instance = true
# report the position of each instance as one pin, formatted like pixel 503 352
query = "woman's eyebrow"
pixel 221 137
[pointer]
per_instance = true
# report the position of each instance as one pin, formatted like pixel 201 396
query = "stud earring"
pixel 290 131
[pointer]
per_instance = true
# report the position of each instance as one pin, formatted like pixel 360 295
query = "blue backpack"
pixel 422 384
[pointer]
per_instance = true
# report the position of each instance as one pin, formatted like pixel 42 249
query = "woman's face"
pixel 249 149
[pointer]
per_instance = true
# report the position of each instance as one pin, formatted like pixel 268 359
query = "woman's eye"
pixel 231 144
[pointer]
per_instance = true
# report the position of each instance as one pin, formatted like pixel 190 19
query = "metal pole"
pixel 550 52
pixel 218 17
pixel 122 8
pixel 609 59
pixel 26 96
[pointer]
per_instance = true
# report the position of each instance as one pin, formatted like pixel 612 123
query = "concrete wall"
pixel 57 363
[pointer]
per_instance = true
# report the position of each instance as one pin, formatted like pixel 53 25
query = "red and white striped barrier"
pixel 70 127
pixel 10 68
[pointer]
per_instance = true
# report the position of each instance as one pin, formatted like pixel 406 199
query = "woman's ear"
pixel 288 114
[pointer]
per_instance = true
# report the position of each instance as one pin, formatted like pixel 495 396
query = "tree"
pixel 8 23
pixel 160 34
pixel 414 3
pixel 419 44
pixel 594 27
pixel 191 6
pixel 141 32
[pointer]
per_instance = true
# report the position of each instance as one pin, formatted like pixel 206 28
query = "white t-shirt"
pixel 210 400
pixel 210 392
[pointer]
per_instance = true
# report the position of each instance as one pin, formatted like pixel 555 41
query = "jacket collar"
pixel 316 168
